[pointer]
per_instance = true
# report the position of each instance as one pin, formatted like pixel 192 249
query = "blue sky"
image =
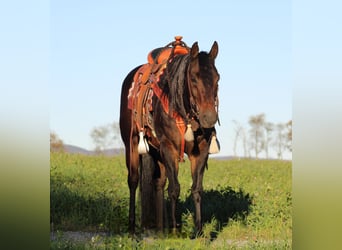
pixel 94 44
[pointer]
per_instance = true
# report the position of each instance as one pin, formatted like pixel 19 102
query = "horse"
pixel 183 112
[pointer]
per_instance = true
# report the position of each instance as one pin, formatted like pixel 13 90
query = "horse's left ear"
pixel 194 50
pixel 214 50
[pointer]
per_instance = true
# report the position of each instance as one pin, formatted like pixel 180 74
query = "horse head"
pixel 203 85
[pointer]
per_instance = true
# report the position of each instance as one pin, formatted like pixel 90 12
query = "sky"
pixel 94 45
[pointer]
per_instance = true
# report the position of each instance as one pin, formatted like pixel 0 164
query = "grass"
pixel 246 204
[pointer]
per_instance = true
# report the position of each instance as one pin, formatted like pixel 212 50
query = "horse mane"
pixel 175 86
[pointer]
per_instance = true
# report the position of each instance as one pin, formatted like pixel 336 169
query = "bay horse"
pixel 184 97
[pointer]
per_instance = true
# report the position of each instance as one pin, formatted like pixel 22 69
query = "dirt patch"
pixel 76 236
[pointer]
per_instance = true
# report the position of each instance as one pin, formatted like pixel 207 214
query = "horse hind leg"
pixel 132 162
pixel 160 181
pixel 147 191
pixel 152 183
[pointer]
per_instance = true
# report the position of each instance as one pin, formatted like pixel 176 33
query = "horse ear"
pixel 214 50
pixel 194 50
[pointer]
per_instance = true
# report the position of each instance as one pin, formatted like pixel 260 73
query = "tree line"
pixel 261 136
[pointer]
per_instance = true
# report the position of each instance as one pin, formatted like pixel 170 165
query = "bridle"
pixel 194 110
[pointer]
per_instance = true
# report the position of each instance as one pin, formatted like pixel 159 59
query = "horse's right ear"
pixel 194 50
pixel 214 50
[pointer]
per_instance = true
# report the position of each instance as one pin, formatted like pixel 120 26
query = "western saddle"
pixel 143 88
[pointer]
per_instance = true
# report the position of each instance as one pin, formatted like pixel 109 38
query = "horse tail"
pixel 147 191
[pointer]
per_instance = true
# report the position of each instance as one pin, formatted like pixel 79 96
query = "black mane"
pixel 174 85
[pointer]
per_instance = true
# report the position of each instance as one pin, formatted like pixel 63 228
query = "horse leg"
pixel 170 158
pixel 197 171
pixel 173 192
pixel 160 184
pixel 132 162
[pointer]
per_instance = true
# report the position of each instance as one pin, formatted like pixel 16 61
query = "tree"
pixel 106 136
pixel 238 130
pixel 116 134
pixel 280 140
pixel 289 135
pixel 268 126
pixel 101 139
pixel 240 134
pixel 56 144
pixel 256 132
pixel 244 143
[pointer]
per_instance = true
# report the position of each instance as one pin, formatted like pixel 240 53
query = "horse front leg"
pixel 173 191
pixel 170 159
pixel 197 171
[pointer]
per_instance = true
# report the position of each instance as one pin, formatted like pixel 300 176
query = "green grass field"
pixel 246 204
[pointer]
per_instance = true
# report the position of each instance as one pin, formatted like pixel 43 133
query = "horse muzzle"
pixel 208 118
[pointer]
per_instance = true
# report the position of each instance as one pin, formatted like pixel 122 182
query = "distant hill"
pixel 76 150
pixel 71 149
pixel 223 158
